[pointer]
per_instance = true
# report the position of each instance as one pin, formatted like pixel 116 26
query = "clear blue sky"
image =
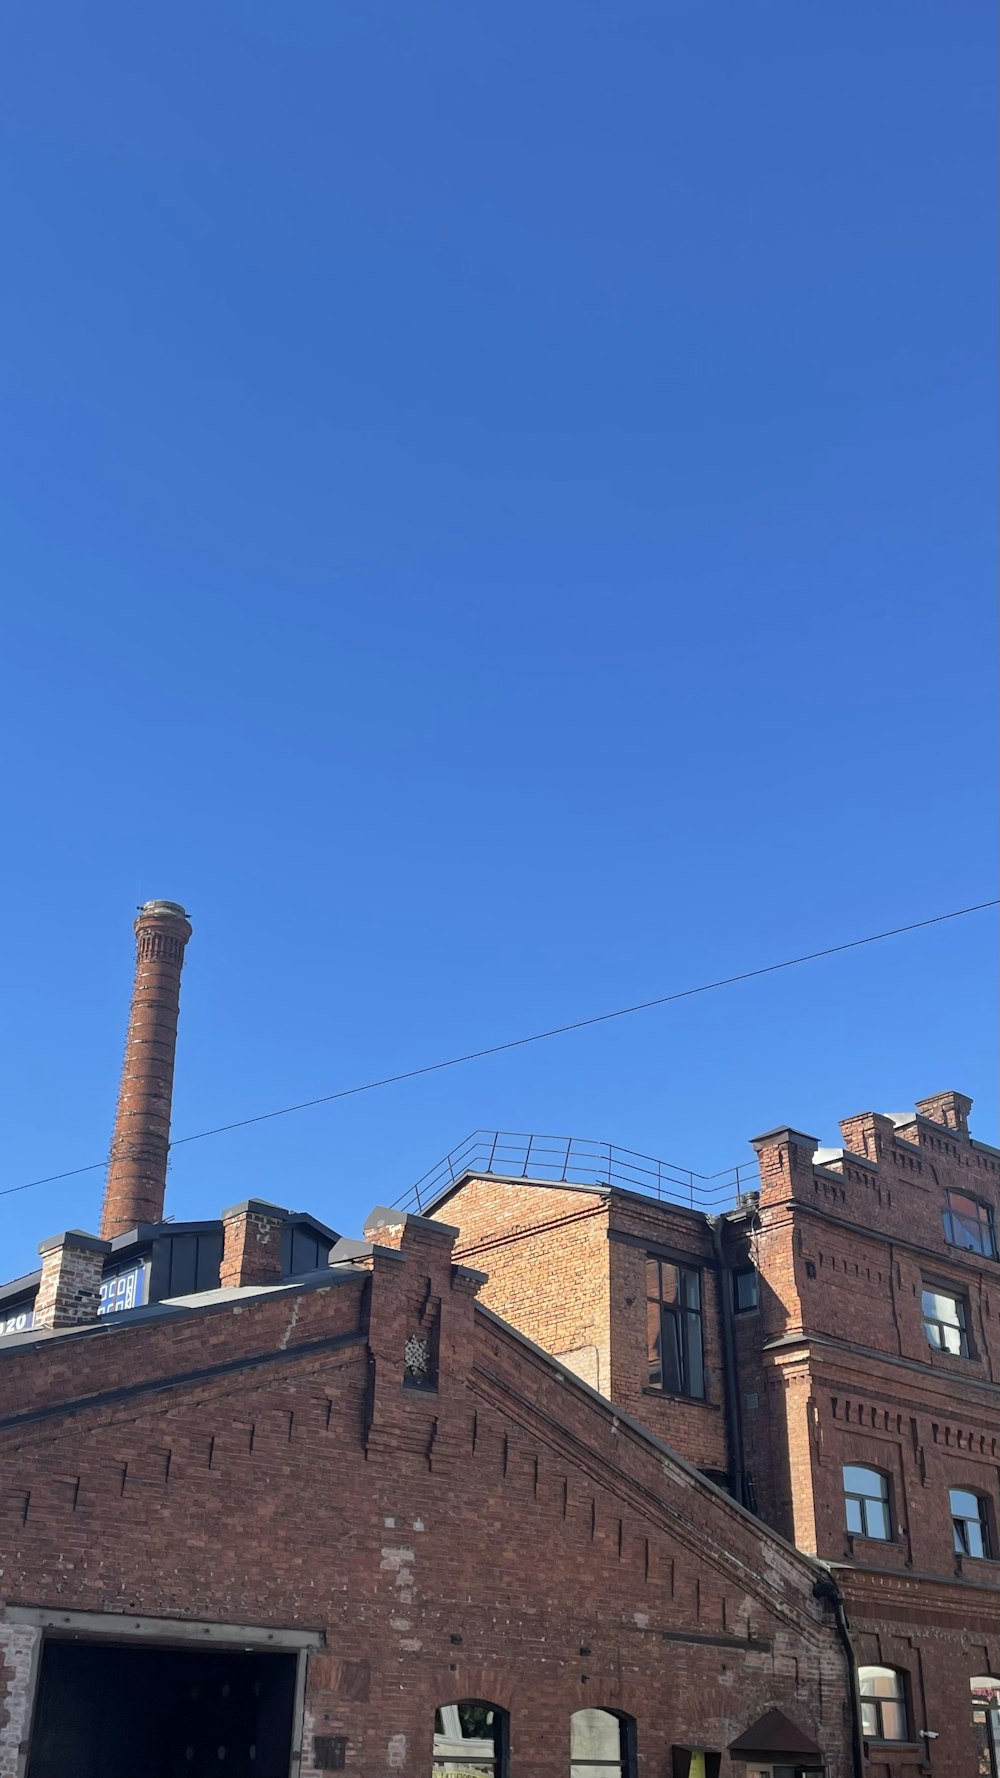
pixel 496 518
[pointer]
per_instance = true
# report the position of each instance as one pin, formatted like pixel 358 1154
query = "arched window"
pixel 985 1691
pixel 470 1739
pixel 866 1496
pixel 883 1703
pixel 601 1744
pixel 972 1529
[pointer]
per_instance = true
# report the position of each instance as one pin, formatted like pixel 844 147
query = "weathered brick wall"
pixel 695 1428
pixel 939 1643
pixel 502 1535
pixel 545 1251
pixel 568 1269
pixel 850 1378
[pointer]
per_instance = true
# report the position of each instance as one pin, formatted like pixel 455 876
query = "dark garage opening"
pixel 111 1711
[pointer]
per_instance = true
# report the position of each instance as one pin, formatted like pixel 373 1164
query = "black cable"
pixel 513 1043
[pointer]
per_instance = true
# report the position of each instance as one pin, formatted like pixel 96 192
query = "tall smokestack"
pixel 137 1169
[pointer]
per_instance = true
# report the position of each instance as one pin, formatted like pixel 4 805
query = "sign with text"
pixel 125 1290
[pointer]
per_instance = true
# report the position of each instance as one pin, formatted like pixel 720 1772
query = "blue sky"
pixel 496 515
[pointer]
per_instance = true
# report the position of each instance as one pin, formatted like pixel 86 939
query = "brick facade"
pixel 833 1367
pixel 485 1528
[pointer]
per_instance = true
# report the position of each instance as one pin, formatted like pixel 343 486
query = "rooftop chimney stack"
pixel 137 1169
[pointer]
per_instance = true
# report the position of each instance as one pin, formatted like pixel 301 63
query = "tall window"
pixel 969 1224
pixel 944 1320
pixel 866 1494
pixel 970 1519
pixel 601 1744
pixel 673 1328
pixel 470 1739
pixel 883 1704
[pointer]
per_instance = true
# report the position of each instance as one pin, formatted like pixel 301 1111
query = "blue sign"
pixel 125 1290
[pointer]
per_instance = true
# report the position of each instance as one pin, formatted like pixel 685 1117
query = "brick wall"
pixel 545 1252
pixel 696 1428
pixel 567 1268
pixel 843 1373
pixel 497 1534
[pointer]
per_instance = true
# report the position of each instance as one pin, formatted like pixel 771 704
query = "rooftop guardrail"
pixel 576 1160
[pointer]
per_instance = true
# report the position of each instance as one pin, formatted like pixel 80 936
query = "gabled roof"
pixel 773 1733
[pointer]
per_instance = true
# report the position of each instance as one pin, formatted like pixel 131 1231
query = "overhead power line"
pixel 513 1043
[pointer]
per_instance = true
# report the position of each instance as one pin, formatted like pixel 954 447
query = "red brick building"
pixel 370 1497
pixel 828 1349
pixel 589 1466
pixel 276 1502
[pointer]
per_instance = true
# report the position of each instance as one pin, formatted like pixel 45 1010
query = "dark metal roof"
pixel 773 1733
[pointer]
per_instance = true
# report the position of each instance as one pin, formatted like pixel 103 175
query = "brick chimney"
pixel 69 1294
pixel 251 1243
pixel 137 1169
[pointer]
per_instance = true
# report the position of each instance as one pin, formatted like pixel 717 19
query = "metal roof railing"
pixel 576 1160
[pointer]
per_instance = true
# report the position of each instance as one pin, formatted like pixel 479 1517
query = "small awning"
pixel 773 1734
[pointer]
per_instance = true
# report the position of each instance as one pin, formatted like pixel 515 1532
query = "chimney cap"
pixel 164 907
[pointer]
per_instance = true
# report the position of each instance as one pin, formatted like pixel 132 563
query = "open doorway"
pixel 108 1710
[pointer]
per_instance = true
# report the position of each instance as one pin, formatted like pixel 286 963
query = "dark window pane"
pixel 695 1360
pixel 653 1343
pixel 673 1369
pixel 668 1283
pixel 692 1290
pixel 977 1543
pixel 745 1289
